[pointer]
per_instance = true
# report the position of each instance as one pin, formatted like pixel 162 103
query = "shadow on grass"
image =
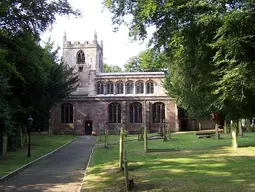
pixel 162 150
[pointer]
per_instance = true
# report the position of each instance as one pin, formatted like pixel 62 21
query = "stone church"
pixel 110 100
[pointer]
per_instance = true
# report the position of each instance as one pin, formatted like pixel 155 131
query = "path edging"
pixel 86 170
pixel 16 171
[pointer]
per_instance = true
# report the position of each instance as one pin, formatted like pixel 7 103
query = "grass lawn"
pixel 40 145
pixel 114 138
pixel 193 165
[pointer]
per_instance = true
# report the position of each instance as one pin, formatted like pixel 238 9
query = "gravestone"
pixel 3 144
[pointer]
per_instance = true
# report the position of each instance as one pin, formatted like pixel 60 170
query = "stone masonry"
pixel 90 107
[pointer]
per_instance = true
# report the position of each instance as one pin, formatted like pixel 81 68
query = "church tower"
pixel 87 58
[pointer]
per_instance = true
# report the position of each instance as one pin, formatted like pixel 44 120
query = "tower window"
pixel 80 57
pixel 80 68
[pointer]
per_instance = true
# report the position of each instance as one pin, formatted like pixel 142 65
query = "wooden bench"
pixel 204 134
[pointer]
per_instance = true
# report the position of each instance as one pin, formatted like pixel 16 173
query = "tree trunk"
pixel 240 128
pixel 225 127
pixel 234 137
pixel 216 131
pixel 199 126
pixel 248 125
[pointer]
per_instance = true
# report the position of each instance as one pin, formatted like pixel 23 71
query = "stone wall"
pixel 96 110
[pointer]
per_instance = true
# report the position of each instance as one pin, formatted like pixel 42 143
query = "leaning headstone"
pixel 3 144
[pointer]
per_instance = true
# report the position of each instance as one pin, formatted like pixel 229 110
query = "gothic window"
pixel 114 112
pixel 149 87
pixel 66 113
pixel 135 112
pixel 109 87
pixel 139 87
pixel 100 88
pixel 80 57
pixel 119 88
pixel 158 112
pixel 129 87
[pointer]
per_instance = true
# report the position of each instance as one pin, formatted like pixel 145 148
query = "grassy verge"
pixel 40 145
pixel 198 165
pixel 114 138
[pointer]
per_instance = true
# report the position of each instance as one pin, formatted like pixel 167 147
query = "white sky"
pixel 117 46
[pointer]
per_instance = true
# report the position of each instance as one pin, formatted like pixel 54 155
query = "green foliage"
pixel 32 15
pixel 209 46
pixel 32 80
pixel 148 60
pixel 111 68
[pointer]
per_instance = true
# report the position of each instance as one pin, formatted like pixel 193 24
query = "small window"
pixel 80 57
pixel 100 88
pixel 119 88
pixel 80 68
pixel 66 113
pixel 129 87
pixel 109 88
pixel 139 87
pixel 150 87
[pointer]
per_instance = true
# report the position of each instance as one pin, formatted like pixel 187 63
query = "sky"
pixel 118 47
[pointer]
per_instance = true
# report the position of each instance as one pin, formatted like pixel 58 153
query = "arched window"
pixel 129 87
pixel 114 112
pixel 100 88
pixel 119 88
pixel 109 87
pixel 135 112
pixel 149 87
pixel 139 87
pixel 80 57
pixel 158 112
pixel 66 113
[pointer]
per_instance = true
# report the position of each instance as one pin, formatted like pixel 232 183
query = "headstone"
pixel 3 144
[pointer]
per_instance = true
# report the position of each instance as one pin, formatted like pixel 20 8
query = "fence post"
pixel 164 130
pixel 145 140
pixel 216 131
pixel 121 150
pixel 126 174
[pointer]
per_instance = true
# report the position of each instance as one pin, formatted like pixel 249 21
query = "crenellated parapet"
pixel 79 44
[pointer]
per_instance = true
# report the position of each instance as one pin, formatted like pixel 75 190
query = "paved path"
pixel 60 172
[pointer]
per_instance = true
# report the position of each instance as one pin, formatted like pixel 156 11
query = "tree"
pixel 210 46
pixel 33 16
pixel 148 60
pixel 27 70
pixel 111 68
pixel 191 33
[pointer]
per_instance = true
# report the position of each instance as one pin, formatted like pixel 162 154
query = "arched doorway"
pixel 88 127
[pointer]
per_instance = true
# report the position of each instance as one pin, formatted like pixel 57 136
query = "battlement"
pixel 78 44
